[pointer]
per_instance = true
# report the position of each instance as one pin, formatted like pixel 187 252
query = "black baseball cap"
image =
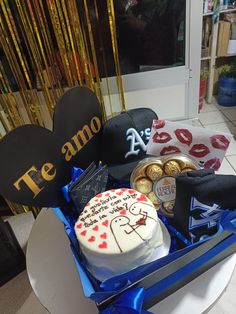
pixel 124 141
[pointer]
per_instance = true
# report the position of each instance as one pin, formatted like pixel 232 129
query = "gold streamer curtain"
pixel 47 46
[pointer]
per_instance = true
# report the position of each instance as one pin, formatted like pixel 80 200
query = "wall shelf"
pixel 221 12
pixel 213 48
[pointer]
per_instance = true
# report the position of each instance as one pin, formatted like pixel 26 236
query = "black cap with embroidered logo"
pixel 124 141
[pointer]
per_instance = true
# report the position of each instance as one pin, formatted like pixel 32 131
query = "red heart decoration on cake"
pixel 107 194
pixel 123 189
pixel 79 226
pixel 87 204
pixel 103 245
pixel 83 233
pixel 91 239
pixel 131 191
pixel 142 198
pixel 105 223
pixel 119 193
pixel 95 228
pixel 103 235
pixel 99 195
pixel 123 212
pixel 113 190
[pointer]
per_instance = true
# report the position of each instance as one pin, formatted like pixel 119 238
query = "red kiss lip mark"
pixel 79 226
pixel 161 138
pixel 105 223
pixel 169 150
pixel 95 228
pixel 158 124
pixel 99 195
pixel 103 235
pixel 142 198
pixel 107 194
pixel 119 193
pixel 199 150
pixel 123 212
pixel 83 233
pixel 184 136
pixel 123 189
pixel 220 142
pixel 213 163
pixel 91 239
pixel 103 245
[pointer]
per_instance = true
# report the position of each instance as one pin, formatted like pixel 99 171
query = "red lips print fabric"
pixel 199 150
pixel 220 142
pixel 184 136
pixel 162 137
pixel 207 147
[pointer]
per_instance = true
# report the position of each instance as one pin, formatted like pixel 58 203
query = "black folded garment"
pixel 201 198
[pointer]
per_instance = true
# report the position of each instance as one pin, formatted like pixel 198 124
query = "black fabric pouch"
pixel 12 258
pixel 202 197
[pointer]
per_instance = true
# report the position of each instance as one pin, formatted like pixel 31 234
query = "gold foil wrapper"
pixel 143 185
pixel 154 172
pixel 187 170
pixel 172 168
pixel 154 200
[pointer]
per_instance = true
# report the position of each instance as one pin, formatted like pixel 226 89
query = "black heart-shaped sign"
pixel 35 162
pixel 32 170
pixel 78 123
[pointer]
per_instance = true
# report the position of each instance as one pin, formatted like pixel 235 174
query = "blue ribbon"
pixel 130 302
pixel 75 174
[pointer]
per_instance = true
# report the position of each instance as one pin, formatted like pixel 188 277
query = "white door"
pixel 165 80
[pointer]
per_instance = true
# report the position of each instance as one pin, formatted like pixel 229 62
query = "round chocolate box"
pixel 119 230
pixel 155 177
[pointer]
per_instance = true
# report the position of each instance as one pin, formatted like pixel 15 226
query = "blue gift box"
pixel 150 283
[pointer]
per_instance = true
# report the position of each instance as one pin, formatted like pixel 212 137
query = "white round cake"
pixel 118 230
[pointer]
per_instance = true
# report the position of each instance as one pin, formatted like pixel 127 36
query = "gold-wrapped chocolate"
pixel 186 164
pixel 168 206
pixel 155 177
pixel 141 172
pixel 154 172
pixel 154 199
pixel 172 168
pixel 187 170
pixel 143 185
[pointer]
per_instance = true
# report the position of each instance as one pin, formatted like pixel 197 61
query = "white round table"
pixel 55 280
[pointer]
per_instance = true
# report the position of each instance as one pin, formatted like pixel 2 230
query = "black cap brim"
pixel 122 172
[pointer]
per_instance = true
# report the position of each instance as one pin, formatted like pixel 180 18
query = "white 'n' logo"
pixel 136 140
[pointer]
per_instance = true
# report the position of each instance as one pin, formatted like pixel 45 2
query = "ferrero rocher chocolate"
pixel 172 168
pixel 154 172
pixel 154 199
pixel 187 170
pixel 155 177
pixel 168 206
pixel 143 185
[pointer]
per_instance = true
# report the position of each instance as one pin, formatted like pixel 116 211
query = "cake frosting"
pixel 118 230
